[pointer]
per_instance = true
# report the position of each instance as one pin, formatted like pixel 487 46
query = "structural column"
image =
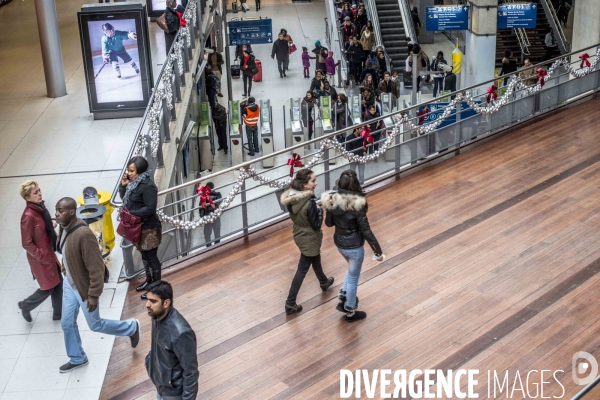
pixel 480 43
pixel 586 26
pixel 51 52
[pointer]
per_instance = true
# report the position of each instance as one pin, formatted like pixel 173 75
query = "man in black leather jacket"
pixel 172 363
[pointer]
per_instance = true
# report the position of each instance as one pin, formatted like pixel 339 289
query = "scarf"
pixel 367 34
pixel 133 185
pixel 48 222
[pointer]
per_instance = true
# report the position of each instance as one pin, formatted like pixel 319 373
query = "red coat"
pixel 38 244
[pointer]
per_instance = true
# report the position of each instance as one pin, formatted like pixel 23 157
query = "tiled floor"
pixel 51 141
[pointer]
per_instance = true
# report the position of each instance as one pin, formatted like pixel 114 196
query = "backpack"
pixel 321 57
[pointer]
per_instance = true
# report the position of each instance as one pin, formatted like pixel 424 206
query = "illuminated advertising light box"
pixel 116 58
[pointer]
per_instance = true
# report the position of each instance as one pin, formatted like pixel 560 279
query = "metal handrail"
pixel 410 110
pixel 579 395
pixel 374 18
pixel 562 41
pixel 407 20
pixel 142 128
pixel 331 36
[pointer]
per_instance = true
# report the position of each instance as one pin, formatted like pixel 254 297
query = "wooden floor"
pixel 492 264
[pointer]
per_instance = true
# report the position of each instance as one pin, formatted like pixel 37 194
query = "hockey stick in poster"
pixel 103 65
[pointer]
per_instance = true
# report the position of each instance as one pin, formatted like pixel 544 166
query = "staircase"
pixel 392 32
pixel 507 39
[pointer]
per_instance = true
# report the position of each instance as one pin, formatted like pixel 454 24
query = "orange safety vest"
pixel 251 117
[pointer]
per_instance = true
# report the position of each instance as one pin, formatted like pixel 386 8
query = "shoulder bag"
pixel 130 226
pixel 162 22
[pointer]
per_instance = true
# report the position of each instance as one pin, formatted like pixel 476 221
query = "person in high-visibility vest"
pixel 250 114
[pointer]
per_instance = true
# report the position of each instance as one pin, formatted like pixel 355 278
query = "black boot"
pixel 342 302
pixel 326 285
pixel 148 281
pixel 352 315
pixel 155 277
pixel 296 308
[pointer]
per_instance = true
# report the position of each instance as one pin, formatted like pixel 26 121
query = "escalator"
pixel 393 34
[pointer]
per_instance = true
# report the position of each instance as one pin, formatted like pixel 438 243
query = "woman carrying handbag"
pixel 140 197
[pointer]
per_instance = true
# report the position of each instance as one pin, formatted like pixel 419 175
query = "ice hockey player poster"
pixel 115 58
pixel 115 51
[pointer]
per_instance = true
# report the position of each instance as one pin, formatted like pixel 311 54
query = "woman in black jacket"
pixel 172 24
pixel 308 112
pixel 342 119
pixel 317 83
pixel 347 211
pixel 346 12
pixel 140 197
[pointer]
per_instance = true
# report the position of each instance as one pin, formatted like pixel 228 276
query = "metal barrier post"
pixel 165 121
pixel 244 208
pixel 326 169
pixel 186 63
pixel 177 85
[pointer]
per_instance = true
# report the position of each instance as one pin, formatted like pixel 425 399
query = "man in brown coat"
pixel 83 268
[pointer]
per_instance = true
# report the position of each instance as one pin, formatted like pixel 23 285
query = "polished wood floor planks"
pixel 492 262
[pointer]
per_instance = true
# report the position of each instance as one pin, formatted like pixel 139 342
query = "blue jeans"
pixel 70 309
pixel 355 258
pixel 437 85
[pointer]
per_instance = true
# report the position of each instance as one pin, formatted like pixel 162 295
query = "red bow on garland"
pixel 367 138
pixel 294 162
pixel 540 77
pixel 491 91
pixel 204 192
pixel 422 115
pixel 584 60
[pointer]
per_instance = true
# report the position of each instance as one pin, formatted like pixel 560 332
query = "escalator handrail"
pixel 407 21
pixel 555 24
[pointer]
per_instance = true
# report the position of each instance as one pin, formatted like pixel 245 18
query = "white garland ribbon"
pixel 331 144
pixel 166 92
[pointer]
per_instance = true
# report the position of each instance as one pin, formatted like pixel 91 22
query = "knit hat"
pixel 353 5
pixel 251 100
pixel 318 43
pixel 347 19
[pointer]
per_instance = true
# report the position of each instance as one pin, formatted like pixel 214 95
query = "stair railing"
pixel 559 34
pixel 407 21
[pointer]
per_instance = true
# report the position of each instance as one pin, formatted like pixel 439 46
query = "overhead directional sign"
pixel 453 18
pixel 522 15
pixel 250 31
pixel 437 109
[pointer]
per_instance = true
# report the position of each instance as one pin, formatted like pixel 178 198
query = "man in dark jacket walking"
pixel 281 51
pixel 172 363
pixel 83 268
pixel 219 114
pixel 212 86
pixel 355 56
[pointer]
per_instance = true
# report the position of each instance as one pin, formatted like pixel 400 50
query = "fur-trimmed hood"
pixel 296 199
pixel 343 200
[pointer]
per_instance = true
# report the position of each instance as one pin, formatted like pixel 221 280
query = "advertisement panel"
pixel 115 46
pixel 452 18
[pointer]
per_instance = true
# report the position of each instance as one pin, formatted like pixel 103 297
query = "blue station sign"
pixel 452 18
pixel 250 31
pixel 437 109
pixel 522 15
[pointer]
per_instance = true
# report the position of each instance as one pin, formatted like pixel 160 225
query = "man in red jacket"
pixel 38 238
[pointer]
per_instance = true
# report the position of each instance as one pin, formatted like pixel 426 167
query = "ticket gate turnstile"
pixel 296 125
pixel 265 122
pixel 355 108
pixel 235 133
pixel 203 138
pixel 327 122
